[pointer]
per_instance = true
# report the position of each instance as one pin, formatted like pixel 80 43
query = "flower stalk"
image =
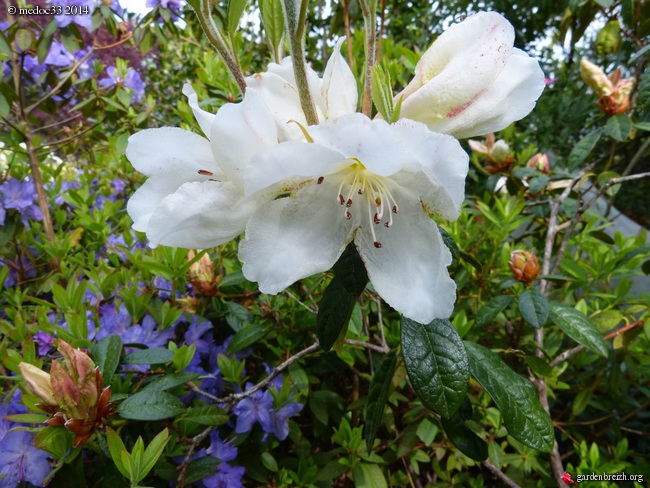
pixel 295 21
pixel 369 10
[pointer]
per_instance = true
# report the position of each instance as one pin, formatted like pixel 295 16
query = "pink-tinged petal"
pixel 460 65
pixel 512 96
pixel 169 150
pixel 294 237
pixel 200 215
pixel 202 117
pixel 286 161
pixel 240 131
pixel 409 271
pixel 339 87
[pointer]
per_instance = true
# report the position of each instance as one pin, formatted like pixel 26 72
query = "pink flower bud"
pixel 524 266
pixel 38 382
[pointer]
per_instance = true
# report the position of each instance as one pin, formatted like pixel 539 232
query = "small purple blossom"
pixel 223 451
pixel 227 477
pixel 200 334
pixel 279 424
pixel 255 408
pixel 78 8
pixel 58 56
pixel 21 461
pixel 45 343
pixel 132 80
pixel 171 4
pixel 112 320
pixel 20 196
pixel 147 334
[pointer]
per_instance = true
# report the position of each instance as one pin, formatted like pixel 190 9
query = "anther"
pixel 205 172
pixel 348 203
pixel 387 224
pixel 348 215
pixel 320 179
pixel 378 245
pixel 341 199
pixel 395 209
pixel 361 191
pixel 377 218
pixel 377 201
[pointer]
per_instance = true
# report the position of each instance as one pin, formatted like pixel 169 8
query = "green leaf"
pixel 235 11
pixel 537 184
pixel 152 453
pixel 368 476
pixel 245 337
pixel 24 38
pixel 619 127
pixel 461 436
pixel 106 354
pixel 201 468
pixel 54 440
pixel 206 415
pixel 496 454
pixel 644 87
pixel 450 243
pixel 151 405
pixel 273 21
pixel 643 125
pixel 583 148
pixel 578 327
pixel 515 396
pixel 533 307
pixel 491 309
pixel 116 447
pixel 269 462
pixel 170 381
pixel 377 396
pixel 156 355
pixel 382 93
pixel 437 364
pixel 335 309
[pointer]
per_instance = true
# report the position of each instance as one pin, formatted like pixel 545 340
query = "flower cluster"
pixel 613 91
pixel 301 193
pixel 21 197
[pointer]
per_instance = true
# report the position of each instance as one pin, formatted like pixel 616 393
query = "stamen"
pixel 341 199
pixel 378 245
pixel 377 202
pixel 388 224
pixel 348 203
pixel 395 208
pixel 320 179
pixel 205 172
pixel 361 191
pixel 348 215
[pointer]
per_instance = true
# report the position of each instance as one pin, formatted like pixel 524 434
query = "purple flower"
pixel 58 56
pixel 171 4
pixel 227 477
pixel 132 80
pixel 2 213
pixel 33 67
pixel 112 321
pixel 194 335
pixel 85 69
pixel 279 424
pixel 222 451
pixel 255 408
pixel 118 185
pixel 44 341
pixel 115 6
pixel 21 197
pixel 10 407
pixel 147 334
pixel 21 461
pixel 79 9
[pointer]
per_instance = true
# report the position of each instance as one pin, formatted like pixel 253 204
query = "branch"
pixel 500 474
pixel 369 10
pixel 193 442
pixel 214 36
pixel 368 345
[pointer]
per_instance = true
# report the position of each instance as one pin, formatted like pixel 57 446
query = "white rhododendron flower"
pixel 472 80
pixel 334 94
pixel 364 180
pixel 194 196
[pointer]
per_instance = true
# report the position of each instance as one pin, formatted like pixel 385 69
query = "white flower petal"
pixel 200 215
pixel 239 131
pixel 288 160
pixel 373 142
pixel 202 117
pixel 459 66
pixel 294 237
pixel 442 166
pixel 168 150
pixel 339 87
pixel 409 271
pixel 512 96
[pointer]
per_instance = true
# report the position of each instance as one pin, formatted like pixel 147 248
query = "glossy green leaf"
pixel 515 396
pixel 151 404
pixel 116 447
pixel 378 395
pixel 578 327
pixel 450 243
pixel 106 355
pixel 248 335
pixel 618 127
pixel 461 436
pixel 206 415
pixel 533 307
pixel 437 364
pixel 152 453
pixel 368 476
pixel 583 148
pixel 170 381
pixel 156 355
pixel 491 309
pixel 335 309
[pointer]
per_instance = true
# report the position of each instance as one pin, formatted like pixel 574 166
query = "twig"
pixel 304 305
pixel 368 345
pixel 193 442
pixel 235 397
pixel 500 474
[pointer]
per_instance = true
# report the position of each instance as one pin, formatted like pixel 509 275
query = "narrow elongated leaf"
pixel 335 309
pixel 516 397
pixel 578 328
pixel 156 355
pixel 116 447
pixel 151 404
pixel 533 307
pixel 464 438
pixel 273 20
pixel 235 11
pixel 583 148
pixel 450 243
pixel 206 415
pixel 170 381
pixel 377 396
pixel 491 309
pixel 618 127
pixel 152 453
pixel 437 364
pixel 248 335
pixel 106 354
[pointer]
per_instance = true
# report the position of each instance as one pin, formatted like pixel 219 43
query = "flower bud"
pixel 497 154
pixel 524 266
pixel 595 78
pixel 39 382
pixel 201 275
pixel 613 92
pixel 540 162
